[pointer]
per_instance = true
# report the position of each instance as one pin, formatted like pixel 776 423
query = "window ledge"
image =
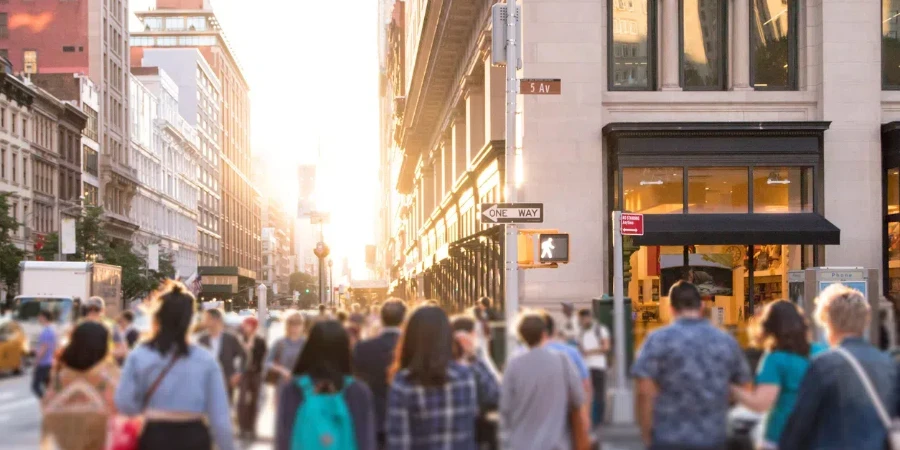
pixel 749 97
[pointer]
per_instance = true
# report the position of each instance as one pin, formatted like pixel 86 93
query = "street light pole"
pixel 331 280
pixel 511 240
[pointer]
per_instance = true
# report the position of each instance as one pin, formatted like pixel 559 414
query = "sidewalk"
pixel 620 437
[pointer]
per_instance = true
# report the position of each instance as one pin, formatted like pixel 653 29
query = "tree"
pixel 308 287
pixel 10 255
pixel 91 240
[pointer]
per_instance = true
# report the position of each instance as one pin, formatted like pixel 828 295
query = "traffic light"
pixel 542 248
pixel 554 248
pixel 307 291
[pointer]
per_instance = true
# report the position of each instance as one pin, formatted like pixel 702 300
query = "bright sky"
pixel 313 73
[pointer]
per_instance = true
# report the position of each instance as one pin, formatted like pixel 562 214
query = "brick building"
pixel 87 37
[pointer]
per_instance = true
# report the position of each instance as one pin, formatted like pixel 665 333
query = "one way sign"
pixel 512 212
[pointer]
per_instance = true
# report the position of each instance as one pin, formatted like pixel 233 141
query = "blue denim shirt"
pixel 833 411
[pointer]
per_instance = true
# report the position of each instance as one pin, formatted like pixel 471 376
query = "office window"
pixel 68 49
pixel 174 23
pixel 703 43
pixel 890 44
pixel 4 25
pixel 773 45
pixel 632 34
pixel 30 59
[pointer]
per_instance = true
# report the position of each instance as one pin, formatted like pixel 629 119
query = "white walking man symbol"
pixel 547 248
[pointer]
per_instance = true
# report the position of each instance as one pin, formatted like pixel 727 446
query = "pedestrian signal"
pixel 554 248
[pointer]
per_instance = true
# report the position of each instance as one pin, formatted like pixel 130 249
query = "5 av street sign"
pixel 512 212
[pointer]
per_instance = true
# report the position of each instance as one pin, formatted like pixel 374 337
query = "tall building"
pixel 84 37
pixel 278 232
pixel 193 24
pixel 166 150
pixel 80 91
pixel 16 99
pixel 199 92
pixel 752 150
pixel 306 234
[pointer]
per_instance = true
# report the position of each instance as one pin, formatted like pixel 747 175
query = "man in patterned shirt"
pixel 683 374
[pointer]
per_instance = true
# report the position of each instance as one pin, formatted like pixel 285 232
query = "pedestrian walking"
pixel 178 387
pixel 79 404
pixel 593 341
pixel 226 347
pixel 541 391
pixel 848 393
pixel 251 380
pixel 684 371
pixel 46 350
pixel 285 351
pixel 557 341
pixel 466 349
pixel 373 357
pixel 126 336
pixel 433 400
pixel 783 333
pixel 324 406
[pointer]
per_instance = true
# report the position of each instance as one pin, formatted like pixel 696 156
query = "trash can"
pixel 603 313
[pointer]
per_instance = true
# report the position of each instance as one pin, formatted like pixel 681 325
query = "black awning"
pixel 747 229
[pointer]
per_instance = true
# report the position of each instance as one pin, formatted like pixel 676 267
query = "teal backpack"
pixel 323 421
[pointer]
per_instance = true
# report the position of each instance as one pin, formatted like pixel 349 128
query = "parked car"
pixel 13 347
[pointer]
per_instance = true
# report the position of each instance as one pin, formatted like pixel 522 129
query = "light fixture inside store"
pixel 651 183
pixel 774 178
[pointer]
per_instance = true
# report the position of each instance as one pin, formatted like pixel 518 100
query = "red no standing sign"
pixel 632 224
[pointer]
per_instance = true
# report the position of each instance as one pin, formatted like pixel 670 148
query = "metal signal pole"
pixel 511 239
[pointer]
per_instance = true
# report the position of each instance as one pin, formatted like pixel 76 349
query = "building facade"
pixel 166 149
pixel 199 92
pixel 16 99
pixel 193 24
pixel 87 37
pixel 750 131
pixel 278 244
pixel 79 91
pixel 306 234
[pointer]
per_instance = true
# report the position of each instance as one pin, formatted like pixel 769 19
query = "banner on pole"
pixel 153 257
pixel 67 236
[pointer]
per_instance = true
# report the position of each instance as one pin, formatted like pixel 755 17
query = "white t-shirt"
pixel 590 340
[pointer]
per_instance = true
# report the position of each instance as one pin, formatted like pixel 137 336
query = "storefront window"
pixel 782 189
pixel 631 61
pixel 893 245
pixel 718 190
pixel 773 44
pixel 653 190
pixel 703 40
pixel 892 179
pixel 890 43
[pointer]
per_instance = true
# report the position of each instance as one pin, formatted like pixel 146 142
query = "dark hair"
pixel 326 354
pixel 128 316
pixel 393 311
pixel 782 326
pixel 46 314
pixel 462 322
pixel 684 296
pixel 426 347
pixel 215 314
pixel 322 308
pixel 88 345
pixel 584 312
pixel 532 328
pixel 549 323
pixel 175 309
pixel 342 316
pixel 485 302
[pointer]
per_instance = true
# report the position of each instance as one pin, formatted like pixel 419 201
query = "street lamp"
pixel 331 280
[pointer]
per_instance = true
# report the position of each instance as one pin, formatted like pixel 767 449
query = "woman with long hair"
pixel 425 372
pixel 175 385
pixel 783 333
pixel 324 368
pixel 79 399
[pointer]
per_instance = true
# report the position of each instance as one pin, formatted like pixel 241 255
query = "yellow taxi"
pixel 13 347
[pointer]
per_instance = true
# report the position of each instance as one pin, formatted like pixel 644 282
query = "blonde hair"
pixel 842 309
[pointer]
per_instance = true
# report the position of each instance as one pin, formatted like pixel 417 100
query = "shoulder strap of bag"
pixel 867 383
pixel 158 380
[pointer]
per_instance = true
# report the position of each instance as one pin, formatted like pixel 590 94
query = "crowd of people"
pixel 397 375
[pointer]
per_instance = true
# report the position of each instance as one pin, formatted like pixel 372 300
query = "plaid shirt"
pixel 439 418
